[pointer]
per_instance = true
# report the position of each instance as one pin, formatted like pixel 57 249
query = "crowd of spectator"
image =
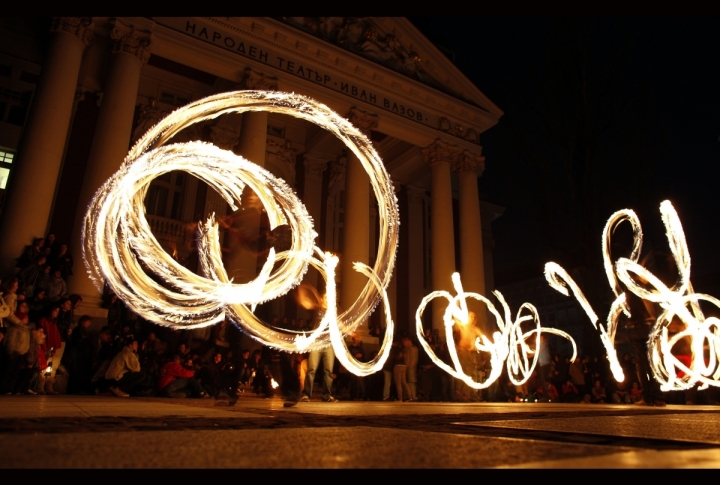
pixel 42 338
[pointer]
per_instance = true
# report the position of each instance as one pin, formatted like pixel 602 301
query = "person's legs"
pixel 386 385
pixel 313 362
pixel 195 388
pixel 130 380
pixel 290 384
pixel 328 358
pixel 178 385
pixel 302 369
pixel 544 376
pixel 412 382
pixel 400 384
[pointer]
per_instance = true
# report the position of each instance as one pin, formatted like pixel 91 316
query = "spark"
pixel 120 249
pixel 509 343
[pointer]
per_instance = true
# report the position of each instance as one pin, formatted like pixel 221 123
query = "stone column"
pixel 440 155
pixel 356 242
pixel 225 139
pixel 253 135
pixel 314 168
pixel 110 145
pixel 37 168
pixel 413 223
pixel 469 165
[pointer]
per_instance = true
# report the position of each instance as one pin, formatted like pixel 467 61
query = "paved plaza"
pixel 109 432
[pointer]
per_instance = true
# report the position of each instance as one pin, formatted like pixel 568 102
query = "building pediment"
pixel 391 42
pixel 395 69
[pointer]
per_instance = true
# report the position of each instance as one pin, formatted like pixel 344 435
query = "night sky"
pixel 651 107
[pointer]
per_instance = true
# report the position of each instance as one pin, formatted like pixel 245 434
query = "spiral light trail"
pixel 509 344
pixel 120 249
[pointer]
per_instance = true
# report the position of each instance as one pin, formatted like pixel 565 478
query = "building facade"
pixel 78 92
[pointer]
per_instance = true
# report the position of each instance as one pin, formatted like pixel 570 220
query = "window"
pixel 166 195
pixel 6 159
pixel 13 106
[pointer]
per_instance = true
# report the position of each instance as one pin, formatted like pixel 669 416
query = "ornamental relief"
pixel 359 36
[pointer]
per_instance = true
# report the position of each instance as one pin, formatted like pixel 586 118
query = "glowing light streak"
pixel 678 303
pixel 120 249
pixel 509 343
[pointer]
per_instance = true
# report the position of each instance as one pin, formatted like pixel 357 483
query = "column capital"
pixel 131 40
pixel 223 138
pixel 469 162
pixel 440 152
pixel 259 81
pixel 314 165
pixel 415 194
pixel 363 121
pixel 80 27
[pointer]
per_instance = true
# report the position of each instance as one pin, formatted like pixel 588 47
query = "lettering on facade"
pixel 296 68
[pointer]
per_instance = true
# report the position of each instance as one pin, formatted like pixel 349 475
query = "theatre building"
pixel 78 92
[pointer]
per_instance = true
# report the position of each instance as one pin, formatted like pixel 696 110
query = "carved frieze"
pixel 363 121
pixel 456 129
pixel 361 36
pixel 259 81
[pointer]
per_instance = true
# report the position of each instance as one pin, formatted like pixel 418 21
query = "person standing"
pixel 327 357
pixel 54 344
pixel 400 374
pixel 544 365
pixel 410 357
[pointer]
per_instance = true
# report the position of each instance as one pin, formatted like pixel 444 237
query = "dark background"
pixel 600 115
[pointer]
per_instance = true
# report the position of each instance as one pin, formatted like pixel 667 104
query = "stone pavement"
pixel 109 432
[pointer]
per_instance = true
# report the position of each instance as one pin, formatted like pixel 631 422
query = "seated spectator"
pixel 178 381
pixel 621 395
pixel 56 288
pixel 28 276
pixel 17 344
pixel 32 377
pixel 636 394
pixel 63 261
pixel 208 373
pixel 43 280
pixel 246 368
pixel 553 395
pixel 598 393
pixel 125 370
pixel 30 253
pixel 570 392
pixel 36 305
pixel 80 358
